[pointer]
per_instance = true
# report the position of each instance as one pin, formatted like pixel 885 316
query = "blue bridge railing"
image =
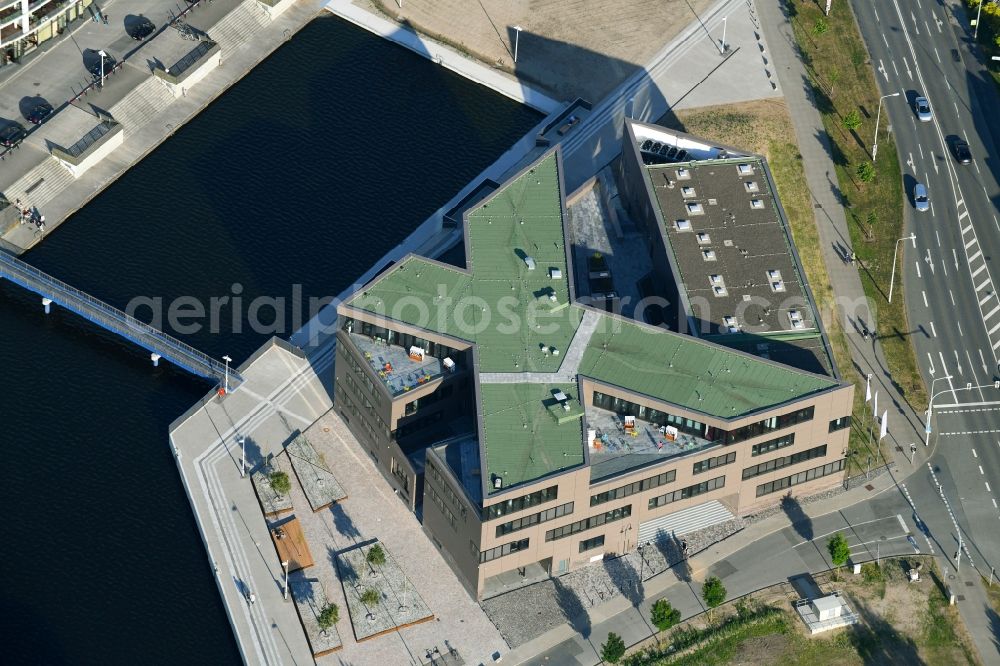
pixel 167 347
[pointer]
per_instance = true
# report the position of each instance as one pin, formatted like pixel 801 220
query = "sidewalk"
pixel 906 426
pixel 683 595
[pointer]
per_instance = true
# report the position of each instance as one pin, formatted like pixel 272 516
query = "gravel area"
pixel 310 599
pixel 271 502
pixel 319 484
pixel 399 603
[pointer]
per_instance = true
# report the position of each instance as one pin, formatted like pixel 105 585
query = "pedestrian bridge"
pixel 159 344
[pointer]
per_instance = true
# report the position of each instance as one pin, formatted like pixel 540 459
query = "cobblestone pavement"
pixel 571 47
pixel 372 511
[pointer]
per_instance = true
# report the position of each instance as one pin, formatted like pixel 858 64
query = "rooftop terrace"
pixel 530 347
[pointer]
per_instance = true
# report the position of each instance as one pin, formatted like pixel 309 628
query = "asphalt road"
pixel 925 48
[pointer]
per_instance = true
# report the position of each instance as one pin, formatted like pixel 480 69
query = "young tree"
pixel 820 27
pixel 866 172
pixel 663 615
pixel 375 556
pixel 839 550
pixel 613 649
pixel 370 597
pixel 713 592
pixel 328 617
pixel 852 120
pixel 280 482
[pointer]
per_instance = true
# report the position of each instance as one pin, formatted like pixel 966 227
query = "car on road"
pixel 38 113
pixel 923 108
pixel 962 153
pixel 143 29
pixel 95 67
pixel 920 200
pixel 12 134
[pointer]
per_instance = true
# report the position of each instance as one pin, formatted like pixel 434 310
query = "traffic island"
pixel 380 598
pixel 310 603
pixel 272 502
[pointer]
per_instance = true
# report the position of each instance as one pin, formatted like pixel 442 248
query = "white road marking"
pixel 958 362
pixel 984 364
pixel 981 470
pixel 924 293
pixel 935 50
pixel 917 263
pixel 987 486
pixel 960 328
pixel 933 332
pixel 952 297
pixel 921 147
pixel 931 362
pixel 885 40
pixel 974 453
pixel 892 61
pixel 881 68
pixel 956 113
pixel 907 65
pixel 975 163
pixel 991 312
pixel 876 15
pixel 994 502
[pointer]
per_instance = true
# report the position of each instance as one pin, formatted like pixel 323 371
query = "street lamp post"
pixel 979 13
pixel 722 48
pixel 517 38
pixel 285 565
pixel 243 456
pixel 103 56
pixel 878 117
pixel 913 239
pixel 225 381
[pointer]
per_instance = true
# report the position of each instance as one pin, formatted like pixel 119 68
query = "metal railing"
pixel 179 353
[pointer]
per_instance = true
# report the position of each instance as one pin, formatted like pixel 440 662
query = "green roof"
pixel 503 307
pixel 688 372
pixel 523 439
pixel 522 219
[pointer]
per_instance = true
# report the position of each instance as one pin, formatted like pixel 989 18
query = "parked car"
pixel 920 200
pixel 95 67
pixel 12 134
pixel 923 108
pixel 143 29
pixel 39 113
pixel 962 153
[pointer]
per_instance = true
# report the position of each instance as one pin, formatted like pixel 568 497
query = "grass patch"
pixel 764 127
pixel 714 644
pixel 873 209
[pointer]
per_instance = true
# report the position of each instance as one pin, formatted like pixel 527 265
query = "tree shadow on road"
pixel 800 521
pixel 574 612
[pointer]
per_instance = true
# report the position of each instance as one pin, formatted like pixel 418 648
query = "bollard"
pixel 47 303
pixel 155 358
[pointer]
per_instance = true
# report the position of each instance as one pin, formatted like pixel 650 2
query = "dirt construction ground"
pixel 569 48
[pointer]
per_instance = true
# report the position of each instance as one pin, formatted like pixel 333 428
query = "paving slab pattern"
pixel 399 603
pixel 319 484
pixel 310 599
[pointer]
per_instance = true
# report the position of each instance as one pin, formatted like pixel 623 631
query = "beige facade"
pixel 467 534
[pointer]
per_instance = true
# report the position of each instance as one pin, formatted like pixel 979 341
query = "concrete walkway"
pixel 446 56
